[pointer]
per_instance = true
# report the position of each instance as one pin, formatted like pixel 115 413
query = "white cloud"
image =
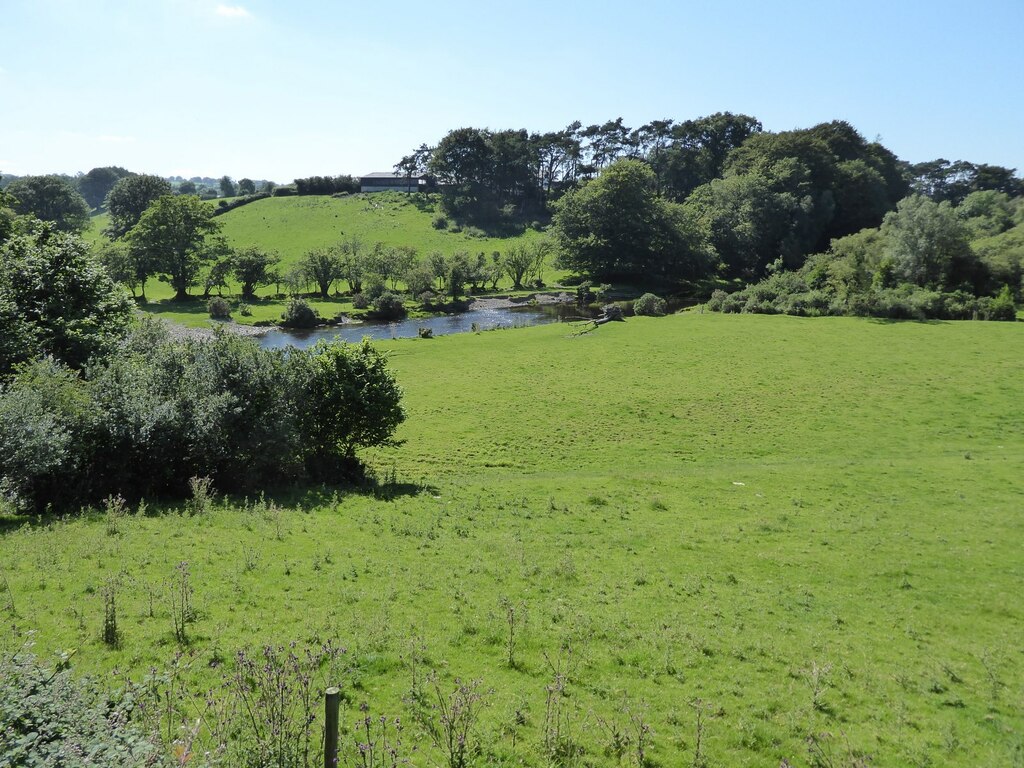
pixel 233 12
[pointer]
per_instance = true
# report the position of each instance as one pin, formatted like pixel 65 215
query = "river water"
pixel 441 325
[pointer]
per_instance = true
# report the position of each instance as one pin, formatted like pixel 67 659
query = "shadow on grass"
pixel 896 320
pixel 305 497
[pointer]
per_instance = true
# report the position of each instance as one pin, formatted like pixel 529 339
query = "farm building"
pixel 389 181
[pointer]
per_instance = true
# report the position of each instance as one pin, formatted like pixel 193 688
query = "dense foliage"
pixel 326 185
pixel 128 200
pixel 95 185
pixel 50 198
pixel 48 719
pixel 921 263
pixel 171 237
pixel 161 411
pixel 749 197
pixel 616 226
pixel 57 300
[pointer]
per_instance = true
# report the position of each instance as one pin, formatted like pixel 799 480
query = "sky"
pixel 280 89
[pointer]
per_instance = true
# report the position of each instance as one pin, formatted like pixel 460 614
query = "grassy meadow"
pixel 293 226
pixel 771 540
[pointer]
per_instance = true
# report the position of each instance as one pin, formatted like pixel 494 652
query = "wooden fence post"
pixel 332 700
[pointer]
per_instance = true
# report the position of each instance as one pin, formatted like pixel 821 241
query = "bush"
pixel 48 718
pixel 285 191
pixel 360 301
pixel 43 415
pixel 440 222
pixel 387 306
pixel 298 314
pixel 374 287
pixel 1001 307
pixel 57 299
pixel 346 399
pixel 650 305
pixel 718 297
pixel 425 333
pixel 219 308
pixel 244 309
pixel 733 303
pixel 163 412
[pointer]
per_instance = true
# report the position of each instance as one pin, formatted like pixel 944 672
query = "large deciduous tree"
pixel 927 244
pixel 252 267
pixel 617 226
pixel 97 183
pixel 323 266
pixel 172 234
pixel 130 198
pixel 56 299
pixel 50 198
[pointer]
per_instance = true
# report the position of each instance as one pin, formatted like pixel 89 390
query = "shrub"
pixel 298 314
pixel 718 297
pixel 425 333
pixel 1001 307
pixel 286 191
pixel 48 718
pixel 374 286
pixel 733 303
pixel 440 222
pixel 360 301
pixel 345 399
pixel 43 415
pixel 650 305
pixel 166 411
pixel 244 309
pixel 387 306
pixel 219 308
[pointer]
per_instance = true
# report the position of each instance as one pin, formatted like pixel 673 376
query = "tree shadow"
pixel 896 320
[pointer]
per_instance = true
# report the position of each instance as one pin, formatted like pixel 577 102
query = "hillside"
pixel 295 225
pixel 806 530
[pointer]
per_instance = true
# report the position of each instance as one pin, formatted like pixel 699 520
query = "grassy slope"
pixel 295 225
pixel 708 506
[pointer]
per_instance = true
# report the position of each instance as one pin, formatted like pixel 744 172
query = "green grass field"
pixel 295 225
pixel 794 527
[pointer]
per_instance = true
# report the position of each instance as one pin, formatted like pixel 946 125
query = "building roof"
pixel 387 175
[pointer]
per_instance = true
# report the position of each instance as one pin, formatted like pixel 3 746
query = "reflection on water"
pixel 441 325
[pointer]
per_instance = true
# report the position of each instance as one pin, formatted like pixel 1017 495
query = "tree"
pixel 616 226
pixel 252 267
pixel 322 266
pixel 352 263
pixel 525 262
pixel 97 183
pixel 119 261
pixel 187 188
pixel 129 199
pixel 927 244
pixel 217 276
pixel 246 187
pixel 57 299
pixel 227 187
pixel 986 213
pixel 459 268
pixel 50 198
pixel 347 399
pixel 172 233
pixel 694 152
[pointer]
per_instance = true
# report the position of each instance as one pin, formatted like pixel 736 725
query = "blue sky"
pixel 279 89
